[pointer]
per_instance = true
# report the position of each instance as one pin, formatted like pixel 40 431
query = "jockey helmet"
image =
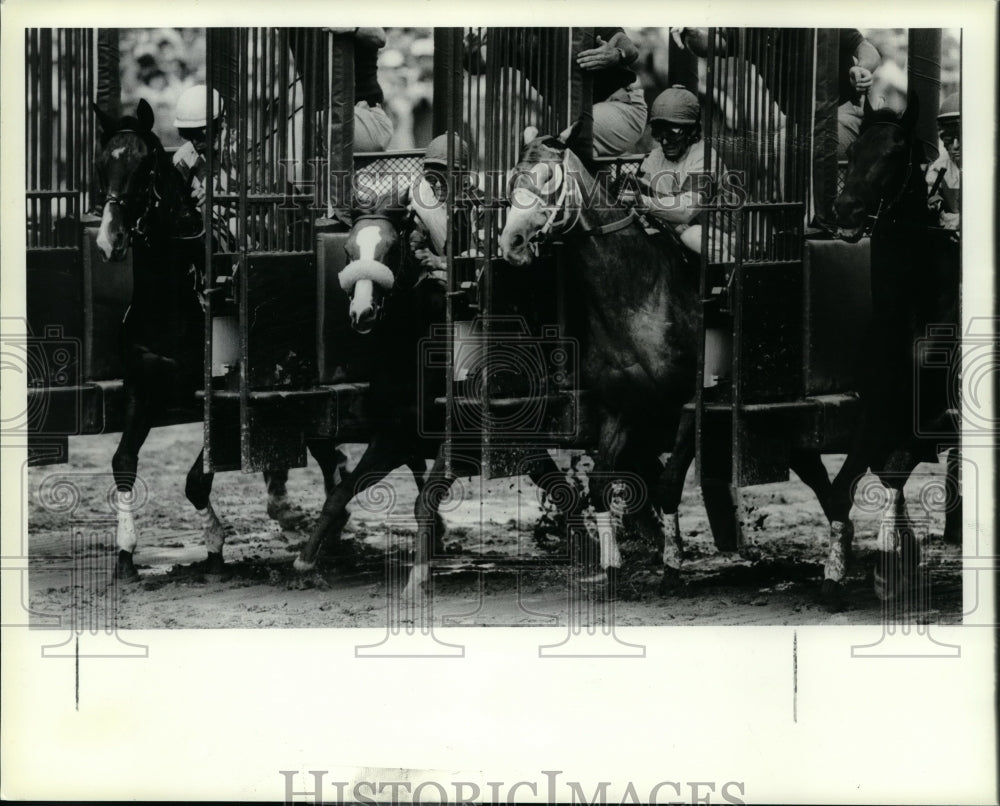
pixel 437 151
pixel 190 110
pixel 950 108
pixel 676 105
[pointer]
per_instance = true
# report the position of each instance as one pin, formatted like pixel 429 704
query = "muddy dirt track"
pixel 774 582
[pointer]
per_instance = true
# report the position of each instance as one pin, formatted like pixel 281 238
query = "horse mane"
pixel 884 115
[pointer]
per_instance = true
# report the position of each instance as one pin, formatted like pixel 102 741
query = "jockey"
pixel 430 242
pixel 944 175
pixel 190 161
pixel 679 176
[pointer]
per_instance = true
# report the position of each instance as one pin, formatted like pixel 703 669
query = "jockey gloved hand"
pixel 429 260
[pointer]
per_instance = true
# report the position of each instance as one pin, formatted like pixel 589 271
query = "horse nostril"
pixel 517 241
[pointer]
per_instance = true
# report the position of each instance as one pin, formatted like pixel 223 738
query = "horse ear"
pixel 912 113
pixel 107 123
pixel 530 133
pixel 144 114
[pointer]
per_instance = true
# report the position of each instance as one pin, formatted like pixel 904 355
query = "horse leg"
pixel 809 467
pixel 838 512
pixel 198 489
pixel 418 467
pixel 331 460
pixel 426 508
pixel 124 465
pixel 667 499
pixel 953 498
pixel 381 457
pixel 898 555
pixel 278 508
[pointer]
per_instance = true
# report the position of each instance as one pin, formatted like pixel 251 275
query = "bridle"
pixel 378 302
pixel 884 207
pixel 565 214
pixel 140 227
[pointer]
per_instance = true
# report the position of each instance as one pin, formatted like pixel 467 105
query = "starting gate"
pixel 280 360
pixel 74 301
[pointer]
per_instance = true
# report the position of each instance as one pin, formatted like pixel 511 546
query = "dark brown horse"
pixel 163 330
pixel 915 282
pixel 400 304
pixel 642 314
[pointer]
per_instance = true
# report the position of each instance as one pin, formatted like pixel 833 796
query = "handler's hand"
pixel 598 58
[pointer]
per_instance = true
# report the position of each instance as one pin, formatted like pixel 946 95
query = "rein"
pixel 884 208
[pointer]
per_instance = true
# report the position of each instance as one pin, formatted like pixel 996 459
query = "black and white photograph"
pixel 501 412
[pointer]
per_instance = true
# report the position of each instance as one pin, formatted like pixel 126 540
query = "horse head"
pixel 880 165
pixel 546 194
pixel 127 171
pixel 374 244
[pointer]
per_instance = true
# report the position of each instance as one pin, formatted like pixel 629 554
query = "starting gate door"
pixel 771 378
pixel 507 346
pixel 262 362
pixel 75 301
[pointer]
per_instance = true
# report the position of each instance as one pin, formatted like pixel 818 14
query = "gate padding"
pixel 837 312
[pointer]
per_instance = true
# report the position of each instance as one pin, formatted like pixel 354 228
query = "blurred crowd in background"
pixel 159 63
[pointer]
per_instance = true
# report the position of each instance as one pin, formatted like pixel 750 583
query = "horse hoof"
pixel 600 578
pixel 832 595
pixel 671 582
pixel 303 566
pixel 887 576
pixel 125 568
pixel 216 569
pixel 277 510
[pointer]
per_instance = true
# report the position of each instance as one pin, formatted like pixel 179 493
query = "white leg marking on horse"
pixel 103 242
pixel 367 239
pixel 840 550
pixel 893 519
pixel 610 556
pixel 215 536
pixel 302 566
pixel 671 540
pixel 126 535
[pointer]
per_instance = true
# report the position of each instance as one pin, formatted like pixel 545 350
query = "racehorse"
pixel 641 350
pixel 163 329
pixel 915 282
pixel 400 304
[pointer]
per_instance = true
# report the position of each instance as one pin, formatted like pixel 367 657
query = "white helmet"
pixel 190 110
